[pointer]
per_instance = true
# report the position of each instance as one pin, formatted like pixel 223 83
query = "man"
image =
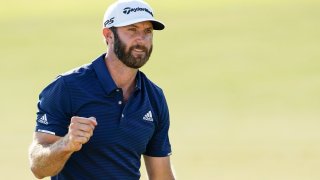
pixel 96 121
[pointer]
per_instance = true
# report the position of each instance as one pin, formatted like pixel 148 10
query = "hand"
pixel 80 131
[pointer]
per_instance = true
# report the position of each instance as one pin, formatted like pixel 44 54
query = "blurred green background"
pixel 242 79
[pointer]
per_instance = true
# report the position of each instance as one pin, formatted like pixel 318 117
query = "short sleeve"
pixel 159 145
pixel 54 109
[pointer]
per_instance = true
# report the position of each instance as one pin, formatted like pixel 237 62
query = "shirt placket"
pixel 124 106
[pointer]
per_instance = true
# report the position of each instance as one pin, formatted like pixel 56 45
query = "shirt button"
pixel 117 90
pixel 122 115
pixel 120 102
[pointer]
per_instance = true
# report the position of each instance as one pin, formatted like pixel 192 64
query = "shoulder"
pixel 70 80
pixel 79 73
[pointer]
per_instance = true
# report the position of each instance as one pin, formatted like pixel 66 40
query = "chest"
pixel 121 126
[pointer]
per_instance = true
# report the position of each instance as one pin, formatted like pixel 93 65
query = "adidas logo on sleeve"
pixel 43 119
pixel 148 117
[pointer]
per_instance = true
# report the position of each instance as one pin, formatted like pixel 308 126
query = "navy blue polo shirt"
pixel 124 130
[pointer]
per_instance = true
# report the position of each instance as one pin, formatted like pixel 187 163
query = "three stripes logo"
pixel 43 119
pixel 148 117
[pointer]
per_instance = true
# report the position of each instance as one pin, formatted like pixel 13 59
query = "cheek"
pixel 149 41
pixel 150 38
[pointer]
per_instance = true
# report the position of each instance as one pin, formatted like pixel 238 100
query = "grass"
pixel 241 77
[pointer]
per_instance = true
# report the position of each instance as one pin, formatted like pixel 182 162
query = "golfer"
pixel 96 121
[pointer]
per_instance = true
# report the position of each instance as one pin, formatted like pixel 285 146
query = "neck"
pixel 123 76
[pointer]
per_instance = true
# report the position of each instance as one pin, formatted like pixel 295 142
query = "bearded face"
pixel 135 56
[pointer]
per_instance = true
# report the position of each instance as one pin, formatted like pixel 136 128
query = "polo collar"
pixel 103 74
pixel 105 78
pixel 138 80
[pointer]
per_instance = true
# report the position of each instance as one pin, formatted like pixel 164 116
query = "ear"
pixel 108 35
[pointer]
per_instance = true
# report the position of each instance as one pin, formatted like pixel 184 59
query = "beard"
pixel 126 57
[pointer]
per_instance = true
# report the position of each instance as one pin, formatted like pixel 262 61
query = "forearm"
pixel 48 160
pixel 159 168
pixel 168 175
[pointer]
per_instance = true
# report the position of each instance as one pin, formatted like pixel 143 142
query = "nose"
pixel 141 36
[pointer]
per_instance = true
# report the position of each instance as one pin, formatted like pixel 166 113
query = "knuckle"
pixel 74 118
pixel 89 129
pixel 71 126
pixel 73 134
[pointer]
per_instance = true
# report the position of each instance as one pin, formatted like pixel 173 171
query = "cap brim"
pixel 157 25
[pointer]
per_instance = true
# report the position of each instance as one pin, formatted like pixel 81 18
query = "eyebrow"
pixel 132 25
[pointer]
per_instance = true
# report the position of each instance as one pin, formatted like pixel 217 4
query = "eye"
pixel 148 31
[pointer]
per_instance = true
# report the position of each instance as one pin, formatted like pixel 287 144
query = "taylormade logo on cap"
pixel 126 12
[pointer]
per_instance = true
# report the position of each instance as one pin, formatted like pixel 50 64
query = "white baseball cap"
pixel 126 12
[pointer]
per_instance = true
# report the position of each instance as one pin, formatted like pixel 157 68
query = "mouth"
pixel 138 50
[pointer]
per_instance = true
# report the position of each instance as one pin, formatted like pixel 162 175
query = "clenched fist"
pixel 80 131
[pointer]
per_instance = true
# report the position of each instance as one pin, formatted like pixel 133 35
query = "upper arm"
pixel 158 167
pixel 54 109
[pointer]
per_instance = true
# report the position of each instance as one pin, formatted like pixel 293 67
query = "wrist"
pixel 66 145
